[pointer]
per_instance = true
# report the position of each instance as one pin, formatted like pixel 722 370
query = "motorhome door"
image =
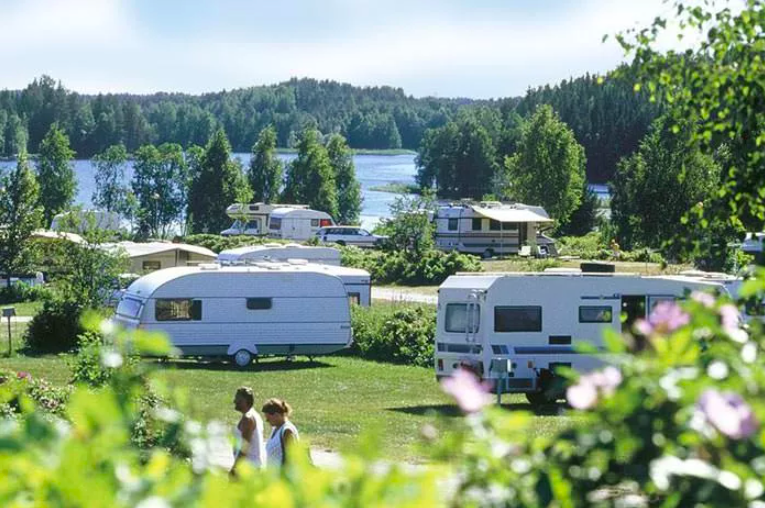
pixel 633 308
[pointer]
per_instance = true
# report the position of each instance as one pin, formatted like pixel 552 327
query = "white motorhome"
pixel 297 224
pixel 536 320
pixel 279 252
pixel 241 312
pixel 488 228
pixel 252 218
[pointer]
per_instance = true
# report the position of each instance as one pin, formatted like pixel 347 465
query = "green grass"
pixel 25 308
pixel 517 264
pixel 335 399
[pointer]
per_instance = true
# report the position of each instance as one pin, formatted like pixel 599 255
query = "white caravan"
pixel 241 312
pixel 536 320
pixel 357 282
pixel 279 252
pixel 488 228
pixel 252 218
pixel 297 224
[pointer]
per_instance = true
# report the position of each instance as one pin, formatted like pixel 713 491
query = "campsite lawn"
pixel 335 399
pixel 24 308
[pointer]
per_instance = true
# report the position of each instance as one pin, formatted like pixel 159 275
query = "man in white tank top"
pixel 249 431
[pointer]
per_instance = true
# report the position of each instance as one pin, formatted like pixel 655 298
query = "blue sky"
pixel 446 48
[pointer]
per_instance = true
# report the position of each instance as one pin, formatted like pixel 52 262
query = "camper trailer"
pixel 252 218
pixel 297 224
pixel 490 228
pixel 279 252
pixel 530 323
pixel 241 312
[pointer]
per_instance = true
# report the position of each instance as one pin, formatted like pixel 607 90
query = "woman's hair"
pixel 246 393
pixel 277 406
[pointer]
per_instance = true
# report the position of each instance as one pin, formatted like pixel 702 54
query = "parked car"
pixel 350 235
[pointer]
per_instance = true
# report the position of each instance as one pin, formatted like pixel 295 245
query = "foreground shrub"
pixel 428 268
pixel 56 327
pixel 19 385
pixel 395 333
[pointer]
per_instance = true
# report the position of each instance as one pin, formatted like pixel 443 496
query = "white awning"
pixel 511 214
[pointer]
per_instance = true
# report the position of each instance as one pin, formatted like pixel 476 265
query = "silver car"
pixel 349 235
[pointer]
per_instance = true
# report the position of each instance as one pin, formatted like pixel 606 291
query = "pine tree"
pixel 55 173
pixel 265 171
pixel 217 183
pixel 310 179
pixel 348 188
pixel 20 215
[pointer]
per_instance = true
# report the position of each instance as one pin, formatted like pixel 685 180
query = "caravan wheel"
pixel 539 398
pixel 488 254
pixel 242 358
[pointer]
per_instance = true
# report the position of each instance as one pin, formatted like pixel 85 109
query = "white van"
pixel 536 320
pixel 297 224
pixel 241 312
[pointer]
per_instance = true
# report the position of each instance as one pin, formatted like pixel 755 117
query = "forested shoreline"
pixel 607 118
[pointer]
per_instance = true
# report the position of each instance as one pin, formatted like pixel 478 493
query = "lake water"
pixel 371 171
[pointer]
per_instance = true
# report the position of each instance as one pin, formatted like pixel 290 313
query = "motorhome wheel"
pixel 539 398
pixel 488 253
pixel 341 243
pixel 242 358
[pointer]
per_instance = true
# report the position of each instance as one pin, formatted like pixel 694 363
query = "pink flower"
pixel 471 395
pixel 728 413
pixel 584 394
pixel 706 299
pixel 730 318
pixel 666 317
pixel 24 375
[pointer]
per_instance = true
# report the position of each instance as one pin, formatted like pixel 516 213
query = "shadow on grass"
pixel 451 411
pixel 268 366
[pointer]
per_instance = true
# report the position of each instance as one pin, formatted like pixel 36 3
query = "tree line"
pixel 368 117
pixel 172 186
pixel 608 119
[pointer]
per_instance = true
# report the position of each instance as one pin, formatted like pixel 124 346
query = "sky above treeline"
pixel 444 48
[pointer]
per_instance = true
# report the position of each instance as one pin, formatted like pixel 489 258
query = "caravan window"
pixel 177 309
pixel 150 266
pixel 453 224
pixel 477 224
pixel 314 223
pixel 355 298
pixel 494 225
pixel 595 314
pixel 259 303
pixel 457 317
pixel 129 307
pixel 276 223
pixel 518 319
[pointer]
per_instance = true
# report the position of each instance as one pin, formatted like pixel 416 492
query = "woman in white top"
pixel 283 431
pixel 249 431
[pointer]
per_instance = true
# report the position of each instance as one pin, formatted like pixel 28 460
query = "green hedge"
pixel 395 333
pixel 432 267
pixel 217 243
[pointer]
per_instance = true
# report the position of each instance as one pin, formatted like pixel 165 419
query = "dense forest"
pixel 373 117
pixel 608 119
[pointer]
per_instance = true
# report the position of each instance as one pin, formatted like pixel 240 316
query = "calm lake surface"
pixel 371 171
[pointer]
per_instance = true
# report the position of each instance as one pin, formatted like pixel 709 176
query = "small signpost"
pixel 9 312
pixel 503 367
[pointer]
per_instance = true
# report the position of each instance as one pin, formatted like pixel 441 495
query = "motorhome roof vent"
pixel 293 245
pixel 208 266
pixel 272 244
pixel 592 267
pixel 300 262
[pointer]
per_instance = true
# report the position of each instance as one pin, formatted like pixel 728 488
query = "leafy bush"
pixel 23 293
pixel 19 385
pixel 56 327
pixel 589 246
pixel 395 333
pixel 89 365
pixel 428 268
